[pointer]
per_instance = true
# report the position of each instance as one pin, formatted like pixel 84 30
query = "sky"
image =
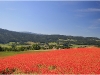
pixel 76 18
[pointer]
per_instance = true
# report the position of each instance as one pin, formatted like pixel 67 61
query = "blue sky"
pixel 76 18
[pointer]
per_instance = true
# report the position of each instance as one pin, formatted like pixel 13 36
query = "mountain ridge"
pixel 14 36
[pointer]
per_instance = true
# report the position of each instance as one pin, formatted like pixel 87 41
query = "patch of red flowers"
pixel 65 61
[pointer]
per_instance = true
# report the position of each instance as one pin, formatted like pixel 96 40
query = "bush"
pixel 21 48
pixel 1 49
pixel 36 47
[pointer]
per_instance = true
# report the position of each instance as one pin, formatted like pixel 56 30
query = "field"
pixel 11 53
pixel 64 61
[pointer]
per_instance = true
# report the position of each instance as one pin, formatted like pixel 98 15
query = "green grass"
pixel 52 43
pixel 11 53
pixel 75 46
pixel 3 54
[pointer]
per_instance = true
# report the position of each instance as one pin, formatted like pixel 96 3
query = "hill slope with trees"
pixel 7 36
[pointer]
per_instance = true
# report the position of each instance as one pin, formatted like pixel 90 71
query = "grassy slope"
pixel 11 53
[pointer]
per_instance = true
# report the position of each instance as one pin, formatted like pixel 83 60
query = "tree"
pixel 36 47
pixel 51 46
pixel 66 45
pixel 13 47
pixel 1 49
pixel 21 48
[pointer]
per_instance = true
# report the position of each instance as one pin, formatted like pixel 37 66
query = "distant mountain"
pixel 27 32
pixel 13 36
pixel 30 33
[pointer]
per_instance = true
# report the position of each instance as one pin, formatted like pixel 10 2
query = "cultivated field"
pixel 64 61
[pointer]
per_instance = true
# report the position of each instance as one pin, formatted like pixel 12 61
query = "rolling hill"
pixel 13 36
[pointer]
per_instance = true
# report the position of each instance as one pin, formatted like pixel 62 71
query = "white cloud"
pixel 94 27
pixel 90 10
pixel 83 12
pixel 95 24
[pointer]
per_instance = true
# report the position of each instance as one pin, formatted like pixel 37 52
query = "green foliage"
pixel 98 45
pixel 66 45
pixel 1 49
pixel 13 47
pixel 21 48
pixel 51 46
pixel 36 47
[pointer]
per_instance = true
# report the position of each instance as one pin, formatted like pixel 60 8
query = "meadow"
pixel 63 61
pixel 12 53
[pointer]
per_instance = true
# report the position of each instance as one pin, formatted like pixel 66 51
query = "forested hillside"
pixel 7 36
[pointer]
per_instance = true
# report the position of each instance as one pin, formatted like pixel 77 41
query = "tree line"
pixel 14 47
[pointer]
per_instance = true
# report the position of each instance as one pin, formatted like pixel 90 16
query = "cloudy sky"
pixel 76 18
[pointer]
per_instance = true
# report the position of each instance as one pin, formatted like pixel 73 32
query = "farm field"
pixel 12 53
pixel 64 61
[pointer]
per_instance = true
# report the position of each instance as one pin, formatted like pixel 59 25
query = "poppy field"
pixel 64 61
